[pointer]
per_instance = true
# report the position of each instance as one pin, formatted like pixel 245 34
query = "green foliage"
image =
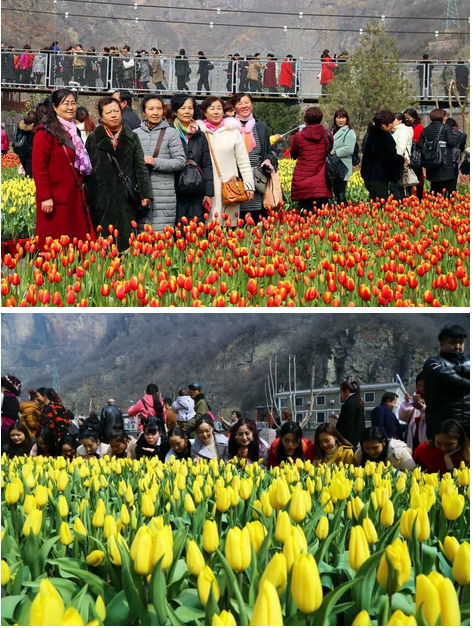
pixel 370 81
pixel 280 117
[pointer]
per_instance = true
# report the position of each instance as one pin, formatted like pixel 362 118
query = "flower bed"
pixel 123 542
pixel 408 254
pixel 18 208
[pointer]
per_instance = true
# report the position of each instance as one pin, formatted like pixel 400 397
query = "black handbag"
pixel 335 169
pixel 415 157
pixel 131 186
pixel 190 180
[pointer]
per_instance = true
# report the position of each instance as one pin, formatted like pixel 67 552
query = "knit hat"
pixel 12 384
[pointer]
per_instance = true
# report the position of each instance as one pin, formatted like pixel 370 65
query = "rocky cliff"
pixel 117 355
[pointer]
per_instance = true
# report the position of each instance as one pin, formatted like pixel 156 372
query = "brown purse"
pixel 232 191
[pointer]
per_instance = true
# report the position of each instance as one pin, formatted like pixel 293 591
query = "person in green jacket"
pixel 201 407
pixel 343 146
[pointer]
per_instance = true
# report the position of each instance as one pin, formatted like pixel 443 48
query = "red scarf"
pixel 113 136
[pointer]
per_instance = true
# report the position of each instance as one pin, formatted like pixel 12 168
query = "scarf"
pixel 151 126
pixel 213 127
pixel 246 126
pixel 186 132
pixel 82 159
pixel 113 136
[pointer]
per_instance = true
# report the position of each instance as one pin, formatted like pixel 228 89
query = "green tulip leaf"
pixel 9 605
pixel 189 597
pixel 211 607
pixel 234 589
pixel 320 617
pixel 134 594
pixel 67 567
pixel 118 611
pixel 186 615
pixel 157 592
pixel 404 603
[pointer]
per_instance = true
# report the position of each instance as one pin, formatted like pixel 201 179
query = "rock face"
pixel 103 355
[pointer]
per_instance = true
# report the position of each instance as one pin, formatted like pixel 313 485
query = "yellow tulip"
pixel 358 485
pixel 206 580
pixel 453 505
pixel 276 572
pixel 113 551
pixel 267 610
pixel 451 545
pixel 95 558
pixel 29 504
pixel 100 608
pixel 246 488
pixel 33 523
pixel 65 535
pixel 98 520
pixel 47 608
pixel 238 548
pixel 63 506
pixel 437 597
pixel 358 548
pixel 162 546
pixel 298 508
pixel 464 477
pixel 279 493
pixel 357 506
pixel 362 619
pixel 387 514
pixel 109 526
pixel 72 618
pixel 399 618
pixel 223 499
pixel 327 499
pixel 322 528
pixel 41 495
pixel 197 493
pixel 370 531
pixel 79 527
pixel 225 618
pixel 62 481
pixel 143 563
pixel 124 515
pixel 461 566
pixel 147 507
pixel 210 538
pixel 189 504
pixel 407 521
pixel 283 527
pixel 257 533
pixel 306 584
pixel 12 494
pixel 6 575
pixel 195 560
pixel 394 573
pixel 340 488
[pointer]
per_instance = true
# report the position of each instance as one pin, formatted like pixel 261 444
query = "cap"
pixel 194 386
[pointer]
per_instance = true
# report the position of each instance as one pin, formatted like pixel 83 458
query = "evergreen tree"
pixel 369 81
pixel 280 117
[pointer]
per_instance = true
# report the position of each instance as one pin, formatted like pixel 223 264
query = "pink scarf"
pixel 246 130
pixel 82 159
pixel 214 127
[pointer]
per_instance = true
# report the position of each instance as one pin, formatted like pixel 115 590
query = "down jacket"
pixel 380 160
pixel 447 142
pixel 398 455
pixel 184 406
pixel 309 177
pixel 343 146
pixel 170 160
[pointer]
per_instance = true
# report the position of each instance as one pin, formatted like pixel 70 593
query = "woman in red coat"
pixel 270 74
pixel 327 74
pixel 310 147
pixel 59 163
pixel 291 444
pixel 287 74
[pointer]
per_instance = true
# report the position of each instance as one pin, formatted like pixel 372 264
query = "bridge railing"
pixel 169 75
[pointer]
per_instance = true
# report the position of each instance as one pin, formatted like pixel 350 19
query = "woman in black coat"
pixel 192 202
pixel 112 140
pixel 351 421
pixel 443 177
pixel 380 161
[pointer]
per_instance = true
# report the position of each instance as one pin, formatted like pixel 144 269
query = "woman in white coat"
pixel 403 136
pixel 230 153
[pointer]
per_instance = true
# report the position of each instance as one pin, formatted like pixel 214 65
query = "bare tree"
pixel 271 388
pixel 462 104
pixel 310 413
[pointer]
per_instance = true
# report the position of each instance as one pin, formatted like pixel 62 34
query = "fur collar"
pixel 26 127
pixel 230 124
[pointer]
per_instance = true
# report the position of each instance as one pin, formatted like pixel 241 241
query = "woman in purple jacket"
pixel 309 147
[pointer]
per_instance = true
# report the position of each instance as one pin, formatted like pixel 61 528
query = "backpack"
pixel 432 153
pixel 415 157
pixel 20 144
pixel 356 156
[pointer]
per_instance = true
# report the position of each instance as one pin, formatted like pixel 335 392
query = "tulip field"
pixel 408 254
pixel 125 542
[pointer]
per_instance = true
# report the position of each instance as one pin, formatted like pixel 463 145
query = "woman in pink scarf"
pixel 60 162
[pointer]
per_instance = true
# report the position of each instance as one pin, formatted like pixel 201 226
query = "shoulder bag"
pixel 260 179
pixel 83 193
pixel 409 176
pixel 335 169
pixel 232 191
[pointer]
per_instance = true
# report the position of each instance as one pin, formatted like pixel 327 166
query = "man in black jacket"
pixel 447 381
pixel 442 176
pixel 130 119
pixel 111 415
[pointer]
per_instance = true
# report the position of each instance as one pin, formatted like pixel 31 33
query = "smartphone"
pixel 206 205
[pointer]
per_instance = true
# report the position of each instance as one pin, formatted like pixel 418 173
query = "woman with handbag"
pixel 310 147
pixel 229 157
pixel 59 163
pixel 343 146
pixel 164 156
pixel 119 184
pixel 256 138
pixel 193 184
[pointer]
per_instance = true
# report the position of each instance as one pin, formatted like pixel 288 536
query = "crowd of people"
pixel 179 161
pixel 431 431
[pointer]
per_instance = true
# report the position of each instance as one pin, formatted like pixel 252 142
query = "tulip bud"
pixel 98 520
pixel 461 566
pixel 29 504
pixel 65 535
pixel 451 545
pixel 100 608
pixel 12 493
pixel 63 506
pixel 306 584
pixel 283 527
pixel 238 548
pixel 113 551
pixel 124 515
pixel 33 523
pixel 393 573
pixel 95 558
pixel 62 481
pixel 189 504
pixel 453 506
pixel 143 562
pixel 358 485
pixel 437 597
pixel 41 495
pixel 362 619
pixel 400 619
pixel 147 507
pixel 162 546
pixel 210 538
pixel 195 560
pixel 358 548
pixel 47 608
pixel 223 499
pixel 276 572
pixel 257 534
pixel 387 515
pixel 267 610
pixel 370 531
pixel 224 619
pixel 79 527
pixel 322 528
pixel 5 573
pixel 206 580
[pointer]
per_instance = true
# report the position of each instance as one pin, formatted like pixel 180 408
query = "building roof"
pixel 335 389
